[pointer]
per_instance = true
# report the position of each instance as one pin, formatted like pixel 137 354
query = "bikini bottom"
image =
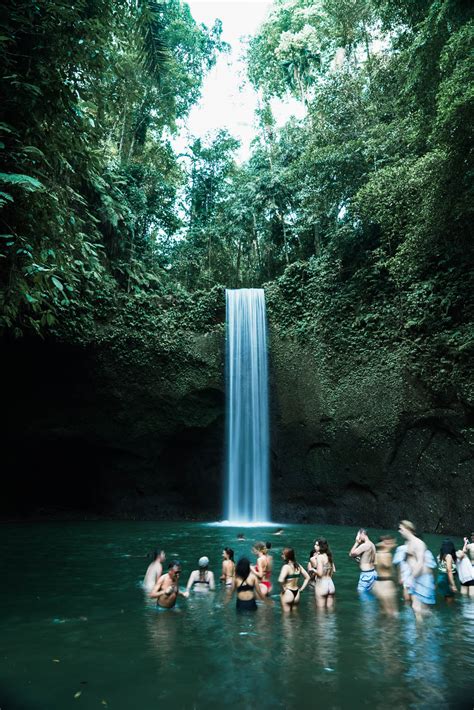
pixel 246 605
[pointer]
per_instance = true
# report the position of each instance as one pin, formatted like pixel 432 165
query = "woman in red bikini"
pixel 262 569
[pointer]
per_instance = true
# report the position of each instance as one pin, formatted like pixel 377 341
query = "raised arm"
pixel 356 549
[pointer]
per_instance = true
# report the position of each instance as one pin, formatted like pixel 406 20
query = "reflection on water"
pixel 202 652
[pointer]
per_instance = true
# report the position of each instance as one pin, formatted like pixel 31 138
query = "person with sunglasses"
pixel 166 590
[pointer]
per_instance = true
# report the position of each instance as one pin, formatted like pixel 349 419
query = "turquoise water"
pixel 75 620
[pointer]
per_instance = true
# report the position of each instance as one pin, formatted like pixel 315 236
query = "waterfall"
pixel 247 474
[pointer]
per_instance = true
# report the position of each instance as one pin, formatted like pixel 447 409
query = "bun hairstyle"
pixel 260 547
pixel 229 552
pixel 268 545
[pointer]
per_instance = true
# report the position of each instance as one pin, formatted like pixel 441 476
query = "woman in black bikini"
pixel 246 586
pixel 289 575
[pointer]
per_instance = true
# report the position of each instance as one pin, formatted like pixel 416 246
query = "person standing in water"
pixel 228 567
pixel 262 569
pixel 268 546
pixel 154 571
pixel 312 563
pixel 166 590
pixel 288 579
pixel 405 577
pixel 363 550
pixel 469 548
pixel 384 587
pixel 423 586
pixel 202 579
pixel 465 570
pixel 246 587
pixel 324 588
pixel 446 570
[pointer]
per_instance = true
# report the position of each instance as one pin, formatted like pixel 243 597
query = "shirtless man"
pixel 419 558
pixel 363 550
pixel 154 571
pixel 166 590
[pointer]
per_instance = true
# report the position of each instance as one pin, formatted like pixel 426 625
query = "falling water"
pixel 247 487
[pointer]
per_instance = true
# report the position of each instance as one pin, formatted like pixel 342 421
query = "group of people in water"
pixel 381 566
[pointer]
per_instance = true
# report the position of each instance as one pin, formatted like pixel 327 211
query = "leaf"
pixel 28 182
pixel 78 694
pixel 33 150
pixel 57 283
pixel 50 318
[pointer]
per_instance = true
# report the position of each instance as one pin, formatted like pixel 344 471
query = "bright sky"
pixel 228 101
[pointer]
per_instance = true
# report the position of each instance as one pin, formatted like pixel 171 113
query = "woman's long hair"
pixel 289 555
pixel 229 552
pixel 242 568
pixel 325 549
pixel 447 548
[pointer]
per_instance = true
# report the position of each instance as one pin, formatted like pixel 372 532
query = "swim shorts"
pixel 423 587
pixel 366 581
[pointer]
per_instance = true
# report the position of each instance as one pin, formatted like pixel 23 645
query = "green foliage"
pixel 357 216
pixel 89 180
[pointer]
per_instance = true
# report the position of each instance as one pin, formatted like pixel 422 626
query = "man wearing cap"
pixel 202 579
pixel 166 590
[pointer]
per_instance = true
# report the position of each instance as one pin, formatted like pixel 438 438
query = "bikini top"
pixel 442 566
pixel 245 587
pixel 292 576
pixel 200 581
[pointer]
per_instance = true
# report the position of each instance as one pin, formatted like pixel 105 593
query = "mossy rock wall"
pixel 365 443
pixel 123 426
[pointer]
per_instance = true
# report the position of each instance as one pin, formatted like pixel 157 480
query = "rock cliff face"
pixel 135 432
pixel 368 448
pixel 127 432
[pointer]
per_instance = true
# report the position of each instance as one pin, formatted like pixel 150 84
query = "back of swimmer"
pixel 246 586
pixel 202 579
